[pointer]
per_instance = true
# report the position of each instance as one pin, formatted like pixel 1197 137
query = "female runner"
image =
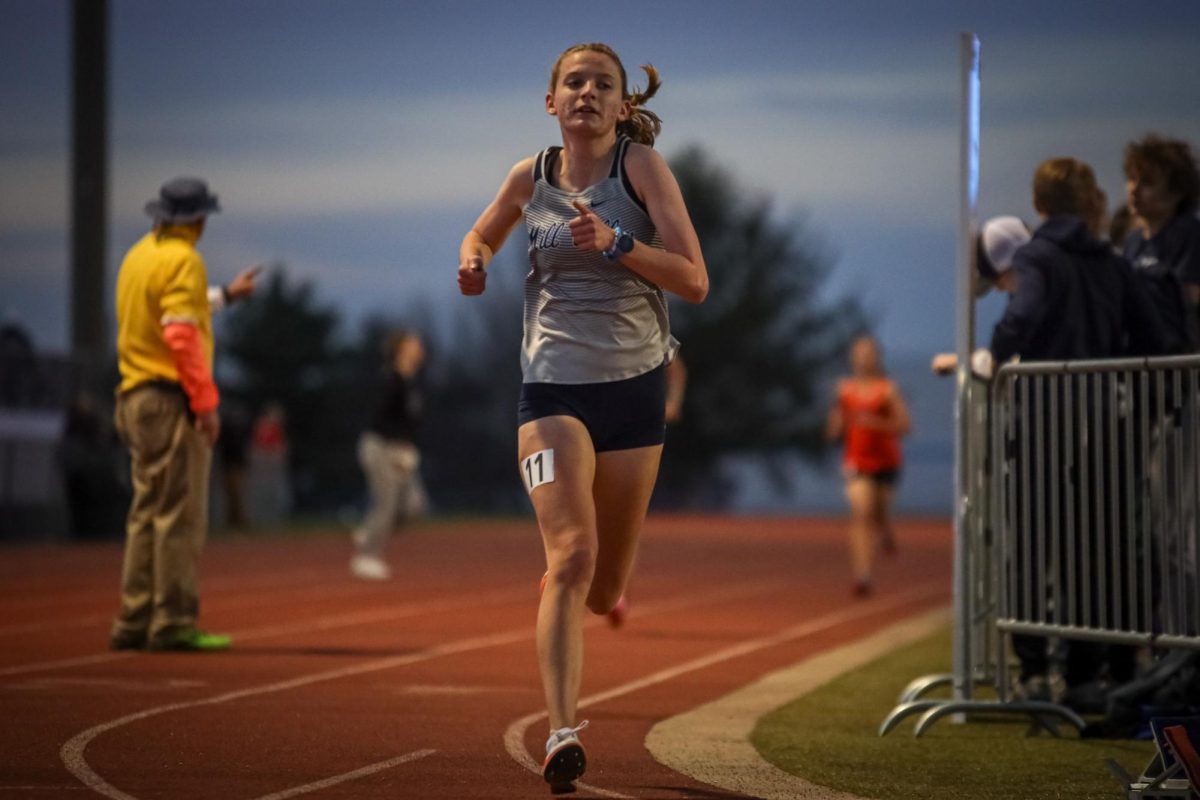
pixel 871 416
pixel 608 232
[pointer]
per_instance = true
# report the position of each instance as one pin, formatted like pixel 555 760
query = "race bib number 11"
pixel 538 469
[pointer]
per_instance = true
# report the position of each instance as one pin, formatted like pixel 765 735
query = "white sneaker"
pixel 565 759
pixel 370 568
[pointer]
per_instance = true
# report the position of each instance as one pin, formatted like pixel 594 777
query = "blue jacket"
pixel 1075 299
pixel 1165 264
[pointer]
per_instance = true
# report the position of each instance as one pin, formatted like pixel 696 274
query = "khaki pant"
pixel 391 470
pixel 168 518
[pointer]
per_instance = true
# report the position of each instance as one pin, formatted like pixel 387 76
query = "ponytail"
pixel 643 125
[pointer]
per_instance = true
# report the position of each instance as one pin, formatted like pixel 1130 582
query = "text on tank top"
pixel 588 319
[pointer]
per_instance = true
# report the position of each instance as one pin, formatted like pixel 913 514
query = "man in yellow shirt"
pixel 166 413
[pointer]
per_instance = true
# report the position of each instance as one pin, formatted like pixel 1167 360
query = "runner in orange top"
pixel 870 416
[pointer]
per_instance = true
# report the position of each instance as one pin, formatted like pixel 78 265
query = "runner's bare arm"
pixel 493 227
pixel 679 267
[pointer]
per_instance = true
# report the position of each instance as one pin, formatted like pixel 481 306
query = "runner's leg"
pixel 567 520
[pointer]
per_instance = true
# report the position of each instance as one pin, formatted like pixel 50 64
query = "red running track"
pixel 409 689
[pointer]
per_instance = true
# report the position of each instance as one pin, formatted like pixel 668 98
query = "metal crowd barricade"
pixel 1101 492
pixel 1095 503
pixel 975 592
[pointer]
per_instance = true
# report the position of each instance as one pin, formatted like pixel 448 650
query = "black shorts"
pixel 883 477
pixel 618 415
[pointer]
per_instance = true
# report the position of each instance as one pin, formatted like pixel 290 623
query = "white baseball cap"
pixel 999 239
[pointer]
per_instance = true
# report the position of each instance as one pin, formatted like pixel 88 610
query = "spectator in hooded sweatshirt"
pixel 1074 299
pixel 1163 189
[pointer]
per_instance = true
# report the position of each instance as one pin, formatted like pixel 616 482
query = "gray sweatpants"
pixel 395 493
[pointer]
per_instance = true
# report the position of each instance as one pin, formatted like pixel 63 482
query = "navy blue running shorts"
pixel 618 415
pixel 883 477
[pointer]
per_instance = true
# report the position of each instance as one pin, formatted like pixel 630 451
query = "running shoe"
pixel 370 568
pixel 191 640
pixel 565 760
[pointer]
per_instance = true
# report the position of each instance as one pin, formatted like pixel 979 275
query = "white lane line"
pixel 53 624
pixel 230 601
pixel 514 736
pixel 711 743
pixel 351 619
pixel 72 752
pixel 303 577
pixel 114 684
pixel 64 663
pixel 328 622
pixel 362 772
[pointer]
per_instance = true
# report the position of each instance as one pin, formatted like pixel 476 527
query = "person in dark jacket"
pixel 1075 299
pixel 1162 184
pixel 388 454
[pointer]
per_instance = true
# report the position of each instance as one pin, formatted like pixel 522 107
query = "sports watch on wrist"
pixel 622 244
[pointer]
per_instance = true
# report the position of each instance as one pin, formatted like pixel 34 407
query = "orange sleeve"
pixel 188 354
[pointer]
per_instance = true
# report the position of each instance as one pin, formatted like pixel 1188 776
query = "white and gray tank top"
pixel 588 319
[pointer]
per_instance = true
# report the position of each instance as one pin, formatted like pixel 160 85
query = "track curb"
pixel 711 743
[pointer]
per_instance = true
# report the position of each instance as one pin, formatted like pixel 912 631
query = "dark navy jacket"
pixel 1075 299
pixel 1165 263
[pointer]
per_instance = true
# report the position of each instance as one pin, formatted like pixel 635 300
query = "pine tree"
pixel 759 350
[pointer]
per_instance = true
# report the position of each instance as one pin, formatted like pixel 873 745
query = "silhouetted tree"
pixel 759 348
pixel 473 383
pixel 281 346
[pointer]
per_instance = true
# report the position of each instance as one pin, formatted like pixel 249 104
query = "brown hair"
pixel 643 125
pixel 1065 186
pixel 1173 159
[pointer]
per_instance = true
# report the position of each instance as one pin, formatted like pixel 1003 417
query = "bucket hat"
pixel 182 200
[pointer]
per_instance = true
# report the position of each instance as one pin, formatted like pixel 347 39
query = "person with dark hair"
pixel 1163 186
pixel 166 413
pixel 1123 223
pixel 387 452
pixel 608 232
pixel 1074 298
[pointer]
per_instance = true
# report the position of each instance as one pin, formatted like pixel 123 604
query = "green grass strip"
pixel 830 737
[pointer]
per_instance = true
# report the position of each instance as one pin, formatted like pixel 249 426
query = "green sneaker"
pixel 192 640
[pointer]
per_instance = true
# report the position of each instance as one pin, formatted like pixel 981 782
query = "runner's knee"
pixel 573 564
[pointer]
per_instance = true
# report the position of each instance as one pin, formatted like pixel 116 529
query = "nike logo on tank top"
pixel 588 319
